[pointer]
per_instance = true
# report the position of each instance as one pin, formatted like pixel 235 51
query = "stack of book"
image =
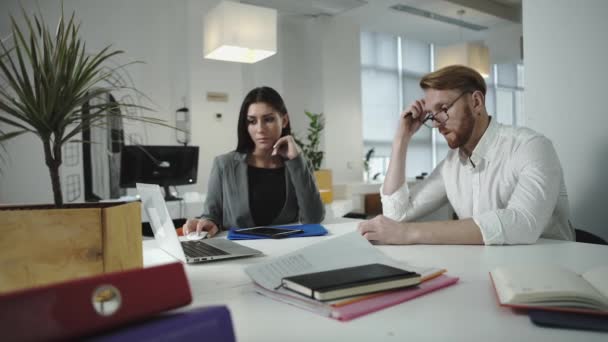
pixel 132 305
pixel 344 278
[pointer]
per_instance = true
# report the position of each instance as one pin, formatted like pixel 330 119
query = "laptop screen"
pixel 162 226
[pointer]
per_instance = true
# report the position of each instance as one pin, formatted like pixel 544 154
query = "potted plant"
pixel 311 148
pixel 314 155
pixel 46 76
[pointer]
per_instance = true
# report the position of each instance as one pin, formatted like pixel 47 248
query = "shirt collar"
pixel 483 146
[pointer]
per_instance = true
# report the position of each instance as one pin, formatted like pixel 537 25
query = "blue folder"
pixel 308 230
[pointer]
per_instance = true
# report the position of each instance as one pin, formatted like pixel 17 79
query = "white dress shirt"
pixel 512 186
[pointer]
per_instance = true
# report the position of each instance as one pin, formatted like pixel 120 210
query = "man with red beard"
pixel 505 183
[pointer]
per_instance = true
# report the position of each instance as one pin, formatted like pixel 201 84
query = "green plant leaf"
pixel 7 136
pixel 310 148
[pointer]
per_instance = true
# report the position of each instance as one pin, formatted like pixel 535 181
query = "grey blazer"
pixel 227 202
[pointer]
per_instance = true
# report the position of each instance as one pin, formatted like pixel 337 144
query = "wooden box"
pixel 40 244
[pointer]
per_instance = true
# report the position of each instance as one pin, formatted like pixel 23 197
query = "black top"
pixel 266 193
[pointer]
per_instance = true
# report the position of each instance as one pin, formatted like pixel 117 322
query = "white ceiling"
pixel 376 15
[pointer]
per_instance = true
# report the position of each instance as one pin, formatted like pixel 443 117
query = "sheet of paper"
pixel 346 250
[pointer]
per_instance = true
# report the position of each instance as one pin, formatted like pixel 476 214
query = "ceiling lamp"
pixel 475 55
pixel 239 32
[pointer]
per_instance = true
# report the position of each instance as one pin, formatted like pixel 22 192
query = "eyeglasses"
pixel 433 120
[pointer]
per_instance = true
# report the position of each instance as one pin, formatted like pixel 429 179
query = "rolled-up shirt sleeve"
pixel 407 204
pixel 533 200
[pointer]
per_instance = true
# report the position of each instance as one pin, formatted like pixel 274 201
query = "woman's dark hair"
pixel 261 94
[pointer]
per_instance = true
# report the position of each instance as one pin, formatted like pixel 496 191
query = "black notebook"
pixel 350 281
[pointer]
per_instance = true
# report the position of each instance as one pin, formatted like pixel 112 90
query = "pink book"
pixel 366 306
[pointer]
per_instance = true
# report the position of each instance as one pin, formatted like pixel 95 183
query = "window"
pixel 508 91
pixel 391 68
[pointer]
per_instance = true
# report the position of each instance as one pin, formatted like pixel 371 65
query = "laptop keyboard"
pixel 195 249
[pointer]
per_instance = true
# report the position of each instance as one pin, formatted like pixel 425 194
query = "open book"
pixel 552 288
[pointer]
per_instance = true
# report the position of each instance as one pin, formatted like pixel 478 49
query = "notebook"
pixel 350 281
pixel 163 229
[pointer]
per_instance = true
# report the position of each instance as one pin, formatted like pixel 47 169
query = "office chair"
pixel 584 236
pixel 373 204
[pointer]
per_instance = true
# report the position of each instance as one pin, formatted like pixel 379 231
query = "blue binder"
pixel 569 320
pixel 212 323
pixel 308 230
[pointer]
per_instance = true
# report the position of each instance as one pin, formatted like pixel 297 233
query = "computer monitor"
pixel 162 165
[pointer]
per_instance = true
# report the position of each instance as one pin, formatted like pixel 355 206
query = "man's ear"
pixel 285 120
pixel 479 100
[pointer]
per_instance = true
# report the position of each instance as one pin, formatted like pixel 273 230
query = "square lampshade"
pixel 239 32
pixel 472 54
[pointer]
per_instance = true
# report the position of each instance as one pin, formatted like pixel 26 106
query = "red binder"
pixel 89 305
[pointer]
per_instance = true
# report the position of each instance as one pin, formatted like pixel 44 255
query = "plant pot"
pixel 325 184
pixel 41 244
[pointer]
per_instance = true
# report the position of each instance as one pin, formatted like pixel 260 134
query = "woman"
pixel 266 181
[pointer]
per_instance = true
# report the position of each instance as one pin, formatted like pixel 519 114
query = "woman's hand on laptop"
pixel 199 227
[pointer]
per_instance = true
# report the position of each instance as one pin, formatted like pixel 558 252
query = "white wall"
pixel 302 81
pixel 209 133
pixel 342 98
pixel 504 44
pixel 316 69
pixel 565 49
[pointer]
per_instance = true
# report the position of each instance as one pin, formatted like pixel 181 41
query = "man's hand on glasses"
pixel 410 120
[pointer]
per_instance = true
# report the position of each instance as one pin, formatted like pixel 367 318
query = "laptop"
pixel 188 251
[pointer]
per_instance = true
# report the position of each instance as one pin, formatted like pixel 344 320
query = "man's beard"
pixel 463 134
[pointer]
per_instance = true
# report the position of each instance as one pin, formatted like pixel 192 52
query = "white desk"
pixel 466 311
